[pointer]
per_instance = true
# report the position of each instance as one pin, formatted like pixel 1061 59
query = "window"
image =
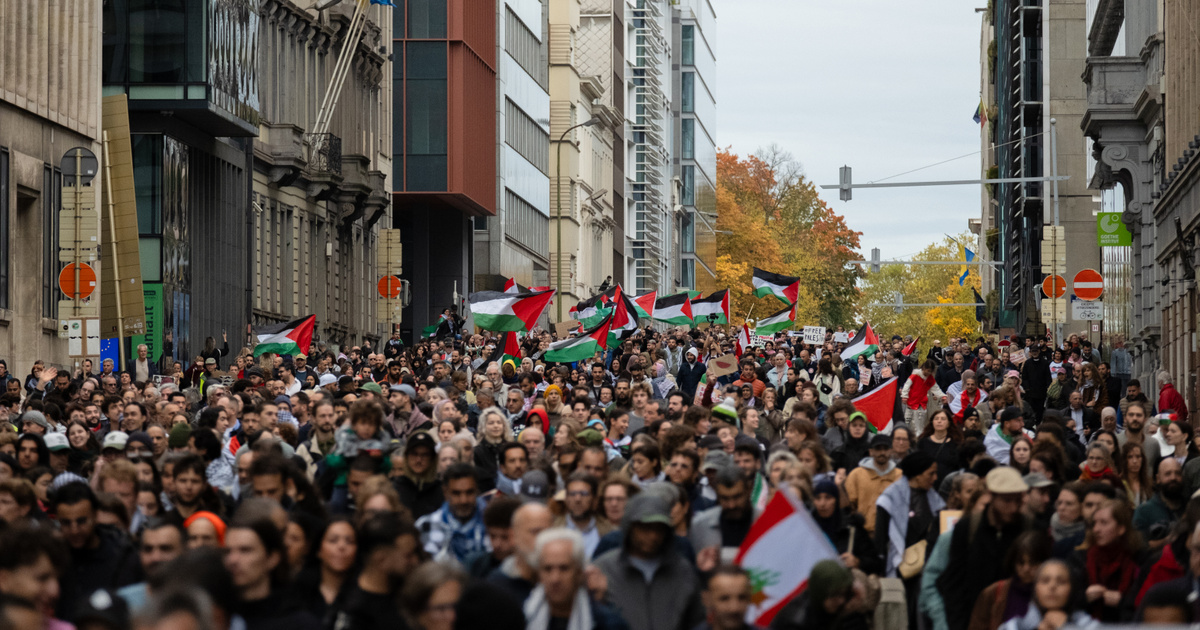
pixel 527 137
pixel 687 273
pixel 689 185
pixel 688 47
pixel 425 131
pixel 147 179
pixel 688 140
pixel 524 47
pixel 5 249
pixel 155 41
pixel 687 233
pixel 51 185
pixel 688 87
pixel 525 224
pixel 426 19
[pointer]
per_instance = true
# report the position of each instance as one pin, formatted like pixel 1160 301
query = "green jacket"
pixel 930 601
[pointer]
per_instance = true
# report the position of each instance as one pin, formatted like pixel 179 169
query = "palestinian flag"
pixel 436 329
pixel 511 350
pixel 593 310
pixel 865 342
pixel 911 347
pixel 624 319
pixel 786 288
pixel 291 338
pixel 645 304
pixel 715 304
pixel 511 286
pixel 879 405
pixel 779 321
pixel 585 346
pixel 743 340
pixel 503 312
pixel 674 309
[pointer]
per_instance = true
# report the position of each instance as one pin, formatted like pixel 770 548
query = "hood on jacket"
pixel 647 508
pixel 869 464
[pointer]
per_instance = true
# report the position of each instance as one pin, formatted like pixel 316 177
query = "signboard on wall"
pixel 1111 231
pixel 153 292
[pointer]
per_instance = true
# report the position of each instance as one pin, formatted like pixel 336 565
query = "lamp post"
pixel 594 120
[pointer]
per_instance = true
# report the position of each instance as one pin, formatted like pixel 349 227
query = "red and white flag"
pixel 779 552
pixel 910 348
pixel 743 341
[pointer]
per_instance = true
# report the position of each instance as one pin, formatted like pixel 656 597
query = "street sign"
pixel 86 284
pixel 1054 286
pixel 389 287
pixel 1054 249
pixel 1085 311
pixel 1088 284
pixel 1054 310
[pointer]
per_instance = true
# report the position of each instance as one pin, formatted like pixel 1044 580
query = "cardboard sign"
pixel 563 329
pixel 841 337
pixel 722 365
pixel 814 334
pixel 1017 357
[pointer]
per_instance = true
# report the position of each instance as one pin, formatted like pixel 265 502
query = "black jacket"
pixel 689 376
pixel 977 558
pixel 113 564
pixel 1035 376
pixel 420 497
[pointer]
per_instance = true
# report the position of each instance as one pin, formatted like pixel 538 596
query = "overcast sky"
pixel 880 85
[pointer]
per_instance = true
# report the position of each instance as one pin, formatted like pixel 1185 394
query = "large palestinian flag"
pixel 624 319
pixel 715 304
pixel 865 342
pixel 674 309
pixel 582 347
pixel 879 404
pixel 645 304
pixel 779 321
pixel 291 338
pixel 504 312
pixel 786 288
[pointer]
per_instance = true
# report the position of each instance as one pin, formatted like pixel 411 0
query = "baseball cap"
pixel 715 460
pixel 1005 480
pixel 710 442
pixel 406 389
pixel 105 608
pixel 373 387
pixel 56 442
pixel 880 440
pixel 210 361
pixel 301 356
pixel 1011 412
pixel 420 438
pixel 116 439
pixel 327 379
pixel 535 486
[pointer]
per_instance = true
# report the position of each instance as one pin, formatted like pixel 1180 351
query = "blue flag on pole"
pixel 386 3
pixel 968 255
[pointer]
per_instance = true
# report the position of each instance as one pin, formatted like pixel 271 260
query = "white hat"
pixel 694 352
pixel 327 379
pixel 116 439
pixel 56 441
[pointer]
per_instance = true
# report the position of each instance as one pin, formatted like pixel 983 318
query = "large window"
pixel 5 249
pixel 524 47
pixel 524 223
pixel 155 41
pixel 526 136
pixel 688 87
pixel 688 140
pixel 51 207
pixel 689 185
pixel 687 233
pixel 425 113
pixel 688 48
pixel 426 19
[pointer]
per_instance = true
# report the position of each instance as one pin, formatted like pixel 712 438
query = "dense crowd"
pixel 448 485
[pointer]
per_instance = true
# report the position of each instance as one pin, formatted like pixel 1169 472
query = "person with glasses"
pixel 582 502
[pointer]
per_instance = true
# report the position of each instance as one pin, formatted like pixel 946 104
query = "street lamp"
pixel 595 120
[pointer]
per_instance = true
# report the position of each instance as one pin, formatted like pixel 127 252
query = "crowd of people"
pixel 449 485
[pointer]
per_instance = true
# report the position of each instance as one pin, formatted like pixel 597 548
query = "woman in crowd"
pixel 1020 454
pixel 1099 466
pixel 1110 560
pixel 495 431
pixel 1136 474
pixel 844 529
pixel 1010 598
pixel 940 439
pixel 1179 442
pixel 1067 526
pixel 1056 602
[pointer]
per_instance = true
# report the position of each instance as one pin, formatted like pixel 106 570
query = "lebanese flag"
pixel 645 304
pixel 910 348
pixel 292 338
pixel 785 288
pixel 879 405
pixel 743 340
pixel 504 312
pixel 582 347
pixel 776 577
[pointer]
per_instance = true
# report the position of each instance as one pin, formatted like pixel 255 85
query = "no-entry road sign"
pixel 1088 284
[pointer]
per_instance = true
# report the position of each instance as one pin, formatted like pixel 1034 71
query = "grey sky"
pixel 881 85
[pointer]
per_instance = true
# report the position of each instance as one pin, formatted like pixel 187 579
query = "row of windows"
pixel 426 19
pixel 524 224
pixel 524 47
pixel 523 134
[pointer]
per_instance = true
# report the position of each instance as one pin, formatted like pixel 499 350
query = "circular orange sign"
pixel 389 287
pixel 1089 284
pixel 87 281
pixel 1054 286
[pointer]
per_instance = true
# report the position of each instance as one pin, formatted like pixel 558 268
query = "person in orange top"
pixel 749 376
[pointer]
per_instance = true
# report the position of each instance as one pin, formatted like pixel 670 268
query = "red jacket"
pixel 1170 399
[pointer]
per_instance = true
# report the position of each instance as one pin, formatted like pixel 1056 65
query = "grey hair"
pixel 1164 377
pixel 561 534
pixel 781 456
pixel 194 602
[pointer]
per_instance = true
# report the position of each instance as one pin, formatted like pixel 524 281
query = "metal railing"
pixel 325 153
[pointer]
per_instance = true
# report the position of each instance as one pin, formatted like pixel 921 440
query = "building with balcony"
pixel 693 249
pixel 444 149
pixel 582 223
pixel 49 103
pixel 1038 58
pixel 516 243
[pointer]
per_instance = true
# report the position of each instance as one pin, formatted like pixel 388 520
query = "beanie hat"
pixel 34 416
pixel 828 578
pixel 916 463
pixel 216 521
pixel 179 436
pixel 727 411
pixel 826 486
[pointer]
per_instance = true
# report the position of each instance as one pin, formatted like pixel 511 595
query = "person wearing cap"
pixel 1009 426
pixel 406 418
pixel 1039 506
pixel 871 477
pixel 516 573
pixel 60 451
pixel 208 376
pixel 980 544
pixel 906 514
pixel 418 485
pixel 654 587
pixel 830 602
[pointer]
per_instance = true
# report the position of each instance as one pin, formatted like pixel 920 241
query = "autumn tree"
pixel 771 217
pixel 923 284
